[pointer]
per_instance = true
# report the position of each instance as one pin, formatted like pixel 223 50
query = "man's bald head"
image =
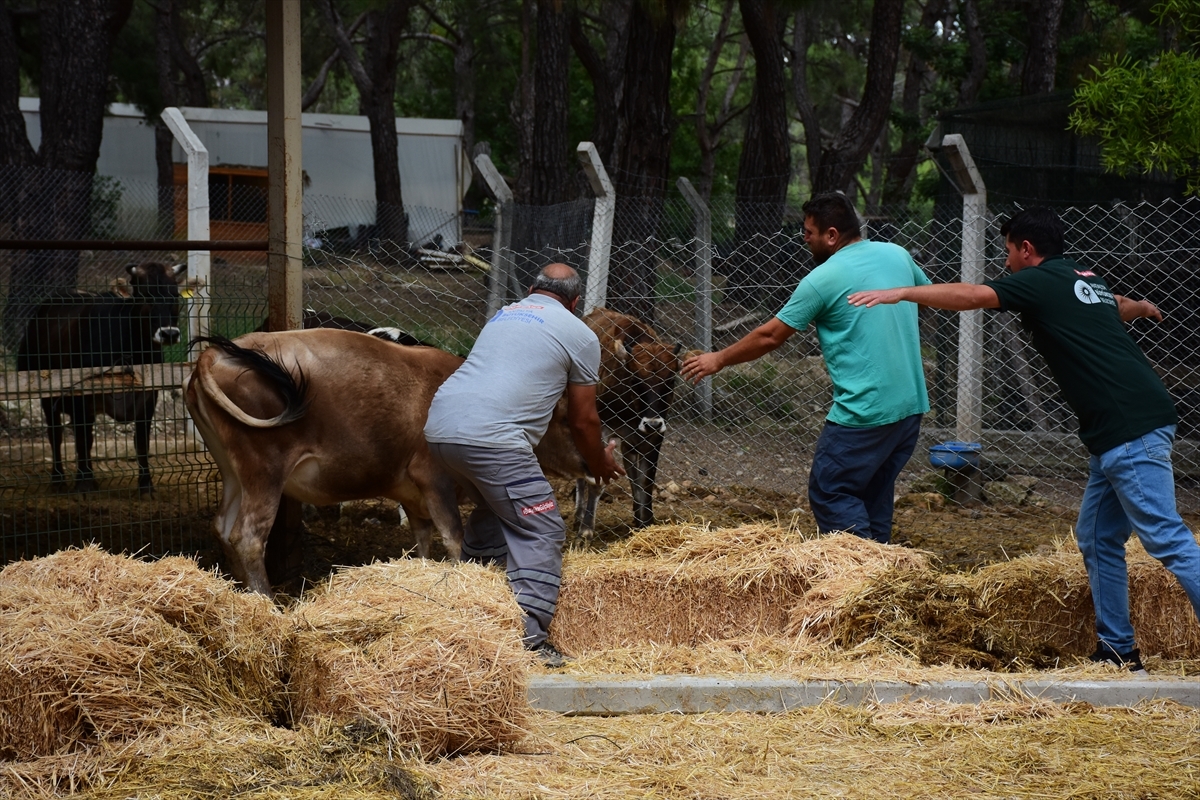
pixel 558 279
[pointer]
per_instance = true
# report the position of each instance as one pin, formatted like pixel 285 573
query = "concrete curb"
pixel 690 694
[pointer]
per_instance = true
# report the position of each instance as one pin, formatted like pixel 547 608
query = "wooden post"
pixel 285 222
pixel 596 293
pixel 704 288
pixel 199 267
pixel 501 234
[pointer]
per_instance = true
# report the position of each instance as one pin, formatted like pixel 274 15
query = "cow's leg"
pixel 440 493
pixel 141 441
pixel 642 466
pixel 243 525
pixel 52 408
pixel 83 419
pixel 587 498
pixel 422 529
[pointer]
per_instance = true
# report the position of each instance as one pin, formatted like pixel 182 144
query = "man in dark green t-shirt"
pixel 1126 418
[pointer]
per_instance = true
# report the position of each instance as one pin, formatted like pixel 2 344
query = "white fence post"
pixel 970 332
pixel 199 261
pixel 704 288
pixel 501 233
pixel 596 293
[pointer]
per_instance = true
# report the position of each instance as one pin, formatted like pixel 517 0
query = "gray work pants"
pixel 517 525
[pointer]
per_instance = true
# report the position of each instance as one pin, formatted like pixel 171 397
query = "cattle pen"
pixel 151 672
pixel 739 454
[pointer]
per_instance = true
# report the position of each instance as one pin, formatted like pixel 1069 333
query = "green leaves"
pixel 1147 117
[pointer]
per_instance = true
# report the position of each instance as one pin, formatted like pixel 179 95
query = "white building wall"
pixel 337 160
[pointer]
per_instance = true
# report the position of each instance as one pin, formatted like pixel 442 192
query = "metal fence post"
pixel 596 294
pixel 199 261
pixel 970 333
pixel 501 233
pixel 704 288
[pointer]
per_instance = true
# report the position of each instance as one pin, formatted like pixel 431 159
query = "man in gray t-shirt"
pixel 486 419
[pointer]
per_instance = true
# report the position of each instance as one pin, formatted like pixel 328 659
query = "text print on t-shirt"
pixel 1090 293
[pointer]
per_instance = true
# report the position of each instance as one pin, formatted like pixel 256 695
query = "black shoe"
pixel 1131 661
pixel 550 656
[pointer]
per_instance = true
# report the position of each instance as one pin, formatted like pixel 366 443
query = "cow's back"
pixel 367 400
pixel 79 330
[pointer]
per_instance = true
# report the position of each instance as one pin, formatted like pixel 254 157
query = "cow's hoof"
pixel 86 486
pixel 59 486
pixel 146 492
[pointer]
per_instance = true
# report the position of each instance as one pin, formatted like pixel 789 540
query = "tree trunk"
pixel 54 201
pixel 548 173
pixel 464 81
pixel 765 168
pixel 901 166
pixel 15 149
pixel 968 90
pixel 605 71
pixel 801 36
pixel 1041 59
pixel 841 160
pixel 642 157
pixel 375 76
pixel 164 33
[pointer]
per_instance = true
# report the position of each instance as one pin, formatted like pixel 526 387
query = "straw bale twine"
pixel 229 757
pixel 100 646
pixel 429 651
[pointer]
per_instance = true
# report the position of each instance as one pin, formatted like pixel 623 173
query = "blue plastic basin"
pixel 955 455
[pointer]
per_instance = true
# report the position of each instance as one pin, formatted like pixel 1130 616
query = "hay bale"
pixel 1042 598
pixel 1163 618
pixel 430 652
pixel 688 584
pixel 98 646
pixel 229 757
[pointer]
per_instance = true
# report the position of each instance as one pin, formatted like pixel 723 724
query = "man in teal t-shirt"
pixel 874 362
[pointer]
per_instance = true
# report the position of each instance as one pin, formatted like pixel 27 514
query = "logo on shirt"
pixel 1086 293
pixel 1087 273
pixel 540 508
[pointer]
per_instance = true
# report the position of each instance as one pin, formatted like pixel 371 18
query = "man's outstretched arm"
pixel 756 343
pixel 947 296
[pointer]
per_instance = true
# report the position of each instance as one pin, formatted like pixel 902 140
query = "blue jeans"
pixel 1131 488
pixel 852 484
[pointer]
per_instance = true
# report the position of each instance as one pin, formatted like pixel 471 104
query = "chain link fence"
pixel 696 273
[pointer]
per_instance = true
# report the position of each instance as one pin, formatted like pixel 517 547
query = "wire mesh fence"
pixel 756 427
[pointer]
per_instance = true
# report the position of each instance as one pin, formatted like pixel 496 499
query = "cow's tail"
pixel 293 390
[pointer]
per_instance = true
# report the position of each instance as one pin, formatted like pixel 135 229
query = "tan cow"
pixel 326 416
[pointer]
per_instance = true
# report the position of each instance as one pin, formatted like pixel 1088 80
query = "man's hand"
pixel 1137 309
pixel 612 470
pixel 698 367
pixel 876 297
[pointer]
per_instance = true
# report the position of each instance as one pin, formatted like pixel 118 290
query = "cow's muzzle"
pixel 166 335
pixel 652 425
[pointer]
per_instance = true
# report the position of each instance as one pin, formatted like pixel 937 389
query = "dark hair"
pixel 1039 226
pixel 833 210
pixel 567 288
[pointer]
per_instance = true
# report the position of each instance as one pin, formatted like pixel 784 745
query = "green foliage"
pixel 1147 115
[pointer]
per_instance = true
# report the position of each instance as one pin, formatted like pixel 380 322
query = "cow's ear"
pixel 178 270
pixel 618 348
pixel 678 347
pixel 135 270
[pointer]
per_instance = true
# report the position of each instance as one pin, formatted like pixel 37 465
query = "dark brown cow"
pixel 121 328
pixel 637 384
pixel 325 416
